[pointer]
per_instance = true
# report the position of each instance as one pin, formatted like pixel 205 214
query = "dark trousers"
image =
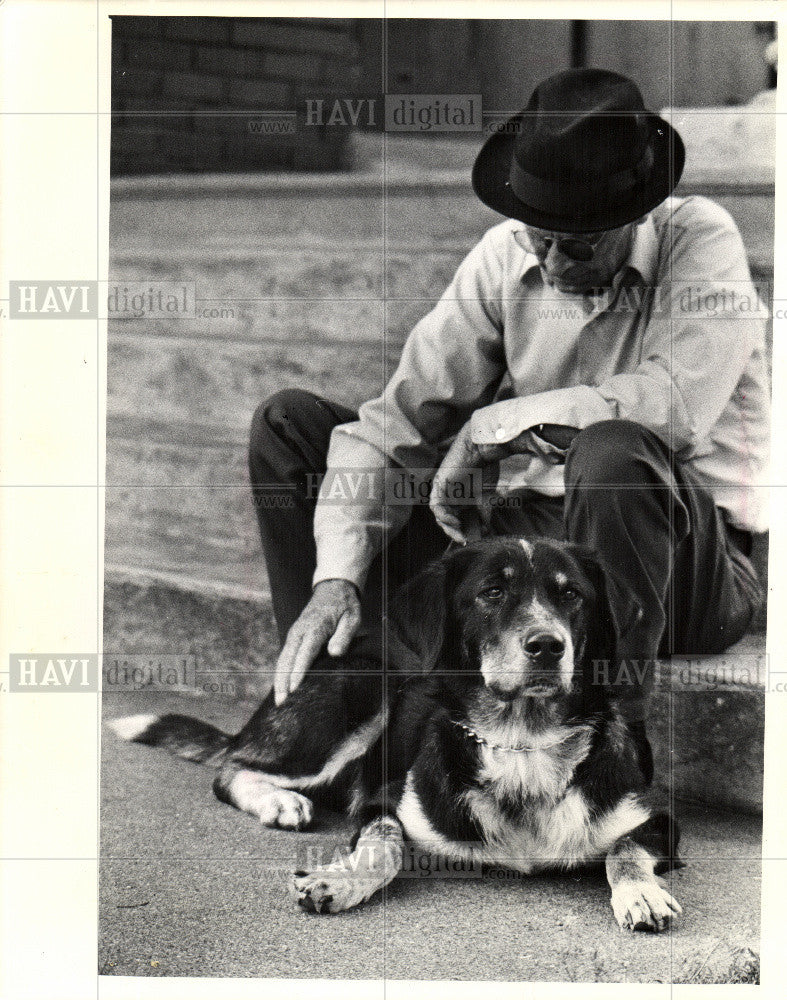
pixel 627 499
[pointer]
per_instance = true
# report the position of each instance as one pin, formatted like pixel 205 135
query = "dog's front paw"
pixel 643 905
pixel 345 883
pixel 327 890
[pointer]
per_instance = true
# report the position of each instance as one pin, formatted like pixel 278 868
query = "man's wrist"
pixel 496 424
pixel 339 580
pixel 501 424
pixel 334 572
pixel 559 436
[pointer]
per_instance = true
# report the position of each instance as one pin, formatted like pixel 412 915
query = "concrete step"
pixel 318 276
pixel 706 722
pixel 707 726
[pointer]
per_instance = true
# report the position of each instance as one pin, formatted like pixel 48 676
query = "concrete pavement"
pixel 192 887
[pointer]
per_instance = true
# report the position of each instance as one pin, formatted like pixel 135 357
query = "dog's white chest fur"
pixel 532 773
pixel 548 833
pixel 528 816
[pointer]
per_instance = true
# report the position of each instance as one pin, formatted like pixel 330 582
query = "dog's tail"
pixel 180 734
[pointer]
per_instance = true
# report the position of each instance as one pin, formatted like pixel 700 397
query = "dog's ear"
pixel 616 609
pixel 419 611
pixel 416 617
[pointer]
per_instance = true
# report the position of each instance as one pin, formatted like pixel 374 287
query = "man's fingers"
pixel 438 491
pixel 311 645
pixel 475 532
pixel 451 525
pixel 345 630
pixel 443 514
pixel 281 680
pixel 280 688
pixel 332 613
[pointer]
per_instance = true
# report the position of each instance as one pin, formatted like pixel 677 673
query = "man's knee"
pixel 615 451
pixel 280 414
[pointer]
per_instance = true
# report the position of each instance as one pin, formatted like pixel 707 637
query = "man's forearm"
pixel 359 508
pixel 350 531
pixel 689 370
pixel 345 548
pixel 504 422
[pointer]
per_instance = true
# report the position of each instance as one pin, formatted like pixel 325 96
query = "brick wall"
pixel 185 90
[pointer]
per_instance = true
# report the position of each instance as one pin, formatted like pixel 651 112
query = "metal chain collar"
pixel 473 735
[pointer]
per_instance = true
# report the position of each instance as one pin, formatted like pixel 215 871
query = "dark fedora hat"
pixel 584 155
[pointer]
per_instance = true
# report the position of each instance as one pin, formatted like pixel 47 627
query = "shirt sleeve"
pixel 452 363
pixel 705 321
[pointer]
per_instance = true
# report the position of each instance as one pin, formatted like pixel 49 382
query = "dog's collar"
pixel 473 735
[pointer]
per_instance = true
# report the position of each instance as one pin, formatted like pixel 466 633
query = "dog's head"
pixel 526 615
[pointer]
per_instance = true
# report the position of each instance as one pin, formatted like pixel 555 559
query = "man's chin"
pixel 571 289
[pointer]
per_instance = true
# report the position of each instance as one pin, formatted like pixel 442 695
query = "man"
pixel 598 354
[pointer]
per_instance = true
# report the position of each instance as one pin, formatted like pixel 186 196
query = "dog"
pixel 493 746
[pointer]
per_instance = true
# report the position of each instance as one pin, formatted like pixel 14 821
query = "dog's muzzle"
pixel 544 652
pixel 537 665
pixel 544 649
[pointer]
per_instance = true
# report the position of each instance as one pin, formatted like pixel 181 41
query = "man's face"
pixel 556 253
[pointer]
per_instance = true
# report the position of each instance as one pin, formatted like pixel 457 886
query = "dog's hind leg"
pixel 310 744
pixel 374 862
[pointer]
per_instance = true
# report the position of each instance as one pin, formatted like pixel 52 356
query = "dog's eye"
pixel 492 594
pixel 569 595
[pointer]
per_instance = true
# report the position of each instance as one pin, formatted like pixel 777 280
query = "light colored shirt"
pixel 677 344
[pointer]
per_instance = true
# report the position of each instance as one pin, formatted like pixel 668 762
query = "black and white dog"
pixel 498 749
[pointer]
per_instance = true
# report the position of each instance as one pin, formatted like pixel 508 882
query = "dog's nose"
pixel 544 646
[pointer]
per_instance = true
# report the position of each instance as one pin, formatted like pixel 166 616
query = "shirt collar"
pixel 644 253
pixel 642 258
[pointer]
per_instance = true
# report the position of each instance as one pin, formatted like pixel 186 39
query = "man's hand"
pixel 333 615
pixel 549 442
pixel 462 521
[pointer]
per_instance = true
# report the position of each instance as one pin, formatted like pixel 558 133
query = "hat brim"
pixel 493 164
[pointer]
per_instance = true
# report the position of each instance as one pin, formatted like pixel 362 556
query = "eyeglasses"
pixel 575 248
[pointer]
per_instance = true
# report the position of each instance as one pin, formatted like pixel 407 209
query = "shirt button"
pixel 500 433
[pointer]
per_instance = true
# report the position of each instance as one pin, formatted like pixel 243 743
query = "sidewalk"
pixel 192 887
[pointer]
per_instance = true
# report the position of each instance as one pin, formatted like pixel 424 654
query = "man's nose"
pixel 544 648
pixel 554 257
pixel 557 265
